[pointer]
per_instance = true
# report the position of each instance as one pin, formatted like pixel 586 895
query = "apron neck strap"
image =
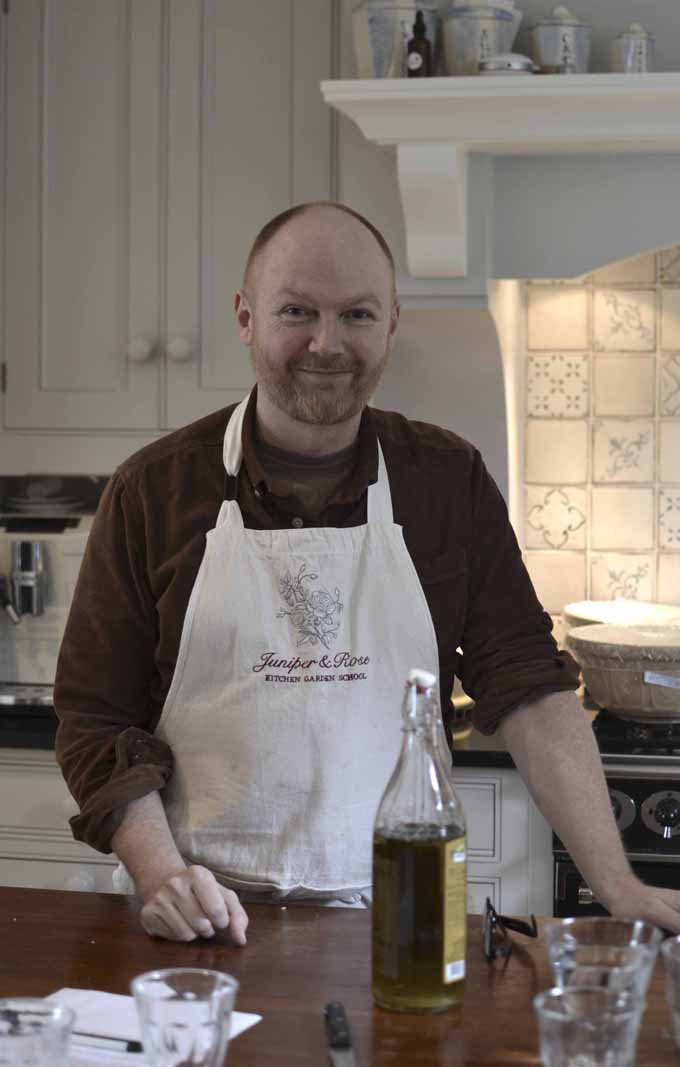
pixel 379 499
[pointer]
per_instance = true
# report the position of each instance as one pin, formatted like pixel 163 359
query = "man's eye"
pixel 360 315
pixel 293 311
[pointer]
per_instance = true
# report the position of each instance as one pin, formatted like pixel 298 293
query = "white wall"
pixel 446 369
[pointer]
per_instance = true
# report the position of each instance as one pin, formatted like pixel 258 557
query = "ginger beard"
pixel 312 398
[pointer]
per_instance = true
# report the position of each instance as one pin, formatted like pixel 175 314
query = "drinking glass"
pixel 34 1032
pixel 185 1015
pixel 605 952
pixel 582 1026
pixel 670 954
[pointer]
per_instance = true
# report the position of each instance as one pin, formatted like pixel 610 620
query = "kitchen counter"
pixel 297 959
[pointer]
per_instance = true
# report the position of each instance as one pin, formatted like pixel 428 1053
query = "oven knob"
pixel 667 814
pixel 623 807
pixel 661 813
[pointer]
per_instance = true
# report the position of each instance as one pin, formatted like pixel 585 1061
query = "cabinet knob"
pixel 179 350
pixel 139 350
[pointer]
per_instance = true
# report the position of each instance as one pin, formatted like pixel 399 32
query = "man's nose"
pixel 326 337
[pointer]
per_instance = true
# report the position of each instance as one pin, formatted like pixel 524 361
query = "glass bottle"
pixel 419 51
pixel 419 889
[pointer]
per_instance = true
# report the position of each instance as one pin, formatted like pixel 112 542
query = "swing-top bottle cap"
pixel 423 679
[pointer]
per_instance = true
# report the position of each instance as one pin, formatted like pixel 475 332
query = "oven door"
pixel 572 895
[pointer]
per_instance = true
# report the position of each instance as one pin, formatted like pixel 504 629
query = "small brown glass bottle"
pixel 419 52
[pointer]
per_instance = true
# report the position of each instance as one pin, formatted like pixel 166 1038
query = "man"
pixel 254 590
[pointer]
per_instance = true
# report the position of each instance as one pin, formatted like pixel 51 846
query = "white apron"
pixel 284 711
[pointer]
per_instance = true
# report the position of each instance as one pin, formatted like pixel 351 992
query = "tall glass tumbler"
pixel 34 1032
pixel 670 954
pixel 602 951
pixel 185 1015
pixel 587 1027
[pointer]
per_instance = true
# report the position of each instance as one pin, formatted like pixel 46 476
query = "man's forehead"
pixel 307 294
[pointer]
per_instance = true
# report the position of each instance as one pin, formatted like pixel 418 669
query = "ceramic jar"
pixel 473 32
pixel 561 43
pixel 633 51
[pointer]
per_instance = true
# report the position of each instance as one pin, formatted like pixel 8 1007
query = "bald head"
pixel 346 232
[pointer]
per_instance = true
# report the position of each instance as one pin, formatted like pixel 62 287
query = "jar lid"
pixel 561 16
pixel 497 14
pixel 624 646
pixel 513 62
pixel 637 32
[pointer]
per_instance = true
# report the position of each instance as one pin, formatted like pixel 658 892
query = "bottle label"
pixel 455 909
pixel 415 61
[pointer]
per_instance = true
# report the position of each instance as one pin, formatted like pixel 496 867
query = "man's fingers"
pixel 160 919
pixel 193 903
pixel 238 917
pixel 208 893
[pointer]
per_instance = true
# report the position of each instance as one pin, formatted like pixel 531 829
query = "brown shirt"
pixel 122 637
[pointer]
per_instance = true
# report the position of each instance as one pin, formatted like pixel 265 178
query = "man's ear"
pixel 244 316
pixel 394 319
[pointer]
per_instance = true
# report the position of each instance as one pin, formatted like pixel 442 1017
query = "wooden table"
pixel 297 959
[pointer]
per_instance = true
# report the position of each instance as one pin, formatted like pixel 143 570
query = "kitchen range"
pixel 44 523
pixel 634 672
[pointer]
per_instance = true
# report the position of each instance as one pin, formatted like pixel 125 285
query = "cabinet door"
pixel 82 236
pixel 248 136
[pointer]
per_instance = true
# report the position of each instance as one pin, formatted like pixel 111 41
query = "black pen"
pixel 119 1044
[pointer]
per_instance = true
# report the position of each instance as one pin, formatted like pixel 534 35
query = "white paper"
pixel 115 1015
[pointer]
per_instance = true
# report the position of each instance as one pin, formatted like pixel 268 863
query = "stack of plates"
pixel 44 505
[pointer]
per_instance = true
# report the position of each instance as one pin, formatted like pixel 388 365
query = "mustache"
pixel 337 365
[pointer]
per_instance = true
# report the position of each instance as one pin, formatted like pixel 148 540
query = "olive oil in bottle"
pixel 419 890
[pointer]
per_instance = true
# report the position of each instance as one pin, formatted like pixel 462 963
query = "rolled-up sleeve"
pixel 509 654
pixel 105 744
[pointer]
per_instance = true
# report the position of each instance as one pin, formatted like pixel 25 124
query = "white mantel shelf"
pixel 437 123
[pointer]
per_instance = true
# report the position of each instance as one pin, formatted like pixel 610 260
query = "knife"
pixel 340 1049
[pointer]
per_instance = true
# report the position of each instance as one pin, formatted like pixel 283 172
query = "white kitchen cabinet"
pixel 146 144
pixel 509 843
pixel 37 849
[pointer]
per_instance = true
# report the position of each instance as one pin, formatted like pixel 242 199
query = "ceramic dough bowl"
pixel 620 613
pixel 618 663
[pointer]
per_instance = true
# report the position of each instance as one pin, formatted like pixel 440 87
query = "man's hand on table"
pixel 191 903
pixel 635 900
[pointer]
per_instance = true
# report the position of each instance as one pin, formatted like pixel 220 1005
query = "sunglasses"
pixel 495 936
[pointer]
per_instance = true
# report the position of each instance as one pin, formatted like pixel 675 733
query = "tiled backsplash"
pixel 602 451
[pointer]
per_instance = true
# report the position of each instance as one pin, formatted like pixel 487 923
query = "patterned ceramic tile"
pixel 615 575
pixel 669 401
pixel 669 518
pixel 557 386
pixel 557 317
pixel 639 270
pixel 556 517
pixel 668 583
pixel 623 451
pixel 670 319
pixel 624 320
pixel 624 385
pixel 669 451
pixel 557 451
pixel 559 577
pixel 669 265
pixel 622 518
